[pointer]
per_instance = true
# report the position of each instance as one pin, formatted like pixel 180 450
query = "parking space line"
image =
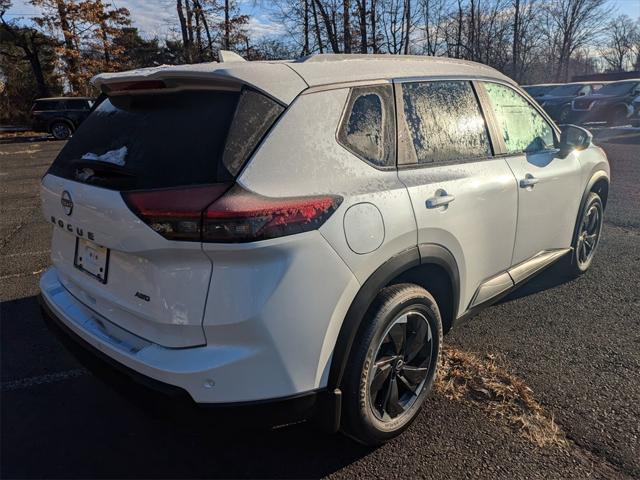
pixel 42 379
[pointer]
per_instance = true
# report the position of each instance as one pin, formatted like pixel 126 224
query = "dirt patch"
pixel 486 383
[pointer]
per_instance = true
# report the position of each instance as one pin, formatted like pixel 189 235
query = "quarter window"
pixel 523 128
pixel 444 121
pixel 368 126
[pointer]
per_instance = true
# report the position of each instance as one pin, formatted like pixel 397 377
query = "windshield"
pixel 565 90
pixel 617 88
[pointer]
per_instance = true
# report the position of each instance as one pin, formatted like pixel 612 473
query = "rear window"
pixel 77 104
pixel 164 140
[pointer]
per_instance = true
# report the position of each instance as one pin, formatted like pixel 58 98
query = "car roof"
pixel 285 79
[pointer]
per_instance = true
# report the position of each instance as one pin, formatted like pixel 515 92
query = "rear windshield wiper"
pixel 101 168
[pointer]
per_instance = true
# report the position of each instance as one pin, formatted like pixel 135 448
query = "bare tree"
pixel 618 48
pixel 574 23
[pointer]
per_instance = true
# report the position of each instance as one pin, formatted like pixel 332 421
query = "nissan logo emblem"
pixel 67 203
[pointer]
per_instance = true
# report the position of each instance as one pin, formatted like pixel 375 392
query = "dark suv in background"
pixel 557 102
pixel 612 104
pixel 59 116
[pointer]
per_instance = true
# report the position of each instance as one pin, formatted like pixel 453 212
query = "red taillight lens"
pixel 175 214
pixel 208 214
pixel 241 216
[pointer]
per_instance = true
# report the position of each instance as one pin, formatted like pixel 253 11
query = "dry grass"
pixel 484 382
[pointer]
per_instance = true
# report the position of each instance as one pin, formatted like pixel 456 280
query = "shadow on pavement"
pixel 552 277
pixel 103 424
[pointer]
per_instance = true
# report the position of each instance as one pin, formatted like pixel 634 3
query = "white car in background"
pixel 305 232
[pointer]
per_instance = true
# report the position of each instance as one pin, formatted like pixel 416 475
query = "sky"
pixel 159 17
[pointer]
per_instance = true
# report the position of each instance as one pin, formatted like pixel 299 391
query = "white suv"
pixel 304 232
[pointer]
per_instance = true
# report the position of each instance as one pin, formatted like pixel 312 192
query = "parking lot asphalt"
pixel 575 343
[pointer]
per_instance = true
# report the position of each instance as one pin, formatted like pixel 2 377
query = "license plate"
pixel 92 259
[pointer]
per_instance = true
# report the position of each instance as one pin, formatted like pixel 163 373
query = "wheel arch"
pixel 431 266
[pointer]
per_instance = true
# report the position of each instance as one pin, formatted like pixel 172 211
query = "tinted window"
pixel 444 121
pixel 165 140
pixel 44 105
pixel 368 127
pixel 523 128
pixel 621 88
pixel 77 104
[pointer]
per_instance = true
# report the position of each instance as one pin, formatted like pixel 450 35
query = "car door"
pixel 463 197
pixel 549 187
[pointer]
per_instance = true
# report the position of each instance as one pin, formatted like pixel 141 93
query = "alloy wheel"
pixel 589 234
pixel 401 366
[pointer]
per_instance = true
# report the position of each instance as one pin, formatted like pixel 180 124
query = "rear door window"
pixel 148 141
pixel 444 122
pixel 523 128
pixel 368 125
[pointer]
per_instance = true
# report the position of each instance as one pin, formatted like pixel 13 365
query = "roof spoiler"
pixel 227 56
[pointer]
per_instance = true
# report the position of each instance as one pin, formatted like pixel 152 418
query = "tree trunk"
pixel 317 25
pixel 227 33
pixel 516 41
pixel 346 17
pixel 305 46
pixel 362 20
pixel 407 27
pixel 374 40
pixel 331 32
pixel 70 59
pixel 185 35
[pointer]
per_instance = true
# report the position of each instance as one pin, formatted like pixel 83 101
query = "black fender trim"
pixel 439 255
pixel 358 309
pixel 396 265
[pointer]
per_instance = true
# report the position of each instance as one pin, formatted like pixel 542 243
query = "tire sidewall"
pixel 370 426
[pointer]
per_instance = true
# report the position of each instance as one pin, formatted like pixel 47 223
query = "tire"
pixel 61 130
pixel 618 116
pixel 404 307
pixel 587 235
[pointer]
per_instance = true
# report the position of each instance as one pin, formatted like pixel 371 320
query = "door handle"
pixel 528 181
pixel 441 199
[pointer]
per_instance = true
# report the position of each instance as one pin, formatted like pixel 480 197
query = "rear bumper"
pixel 170 370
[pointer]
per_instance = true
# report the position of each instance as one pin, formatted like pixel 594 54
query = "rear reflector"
pixel 208 214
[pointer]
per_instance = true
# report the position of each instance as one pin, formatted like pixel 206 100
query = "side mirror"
pixel 573 138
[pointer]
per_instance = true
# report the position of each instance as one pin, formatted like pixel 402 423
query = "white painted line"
pixel 42 379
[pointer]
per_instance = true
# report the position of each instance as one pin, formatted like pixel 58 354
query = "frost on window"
pixel 367 128
pixel 523 128
pixel 254 115
pixel 444 121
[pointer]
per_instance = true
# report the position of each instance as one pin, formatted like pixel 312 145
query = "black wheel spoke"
pixel 414 375
pixel 407 385
pixel 393 406
pixel 398 334
pixel 379 378
pixel 400 366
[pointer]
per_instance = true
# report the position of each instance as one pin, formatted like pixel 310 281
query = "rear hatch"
pixel 169 150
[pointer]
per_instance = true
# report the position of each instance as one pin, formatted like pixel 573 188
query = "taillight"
pixel 208 214
pixel 242 216
pixel 175 214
